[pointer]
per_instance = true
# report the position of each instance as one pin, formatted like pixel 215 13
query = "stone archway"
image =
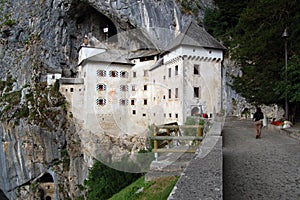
pixel 196 111
pixel 46 187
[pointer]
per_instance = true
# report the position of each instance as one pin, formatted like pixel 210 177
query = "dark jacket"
pixel 258 116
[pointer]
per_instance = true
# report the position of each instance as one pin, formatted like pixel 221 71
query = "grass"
pixel 153 190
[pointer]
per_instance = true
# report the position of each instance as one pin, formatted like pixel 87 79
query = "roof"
pixel 195 35
pixel 143 53
pixel 111 56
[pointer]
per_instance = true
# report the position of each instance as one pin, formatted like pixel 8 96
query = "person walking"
pixel 258 117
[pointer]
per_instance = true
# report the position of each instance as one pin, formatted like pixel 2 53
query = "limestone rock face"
pixel 37 37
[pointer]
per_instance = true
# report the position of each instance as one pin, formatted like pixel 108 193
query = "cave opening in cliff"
pixel 90 21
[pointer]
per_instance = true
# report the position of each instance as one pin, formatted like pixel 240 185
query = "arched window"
pixel 48 198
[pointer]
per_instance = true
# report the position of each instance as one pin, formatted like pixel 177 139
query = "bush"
pixel 103 181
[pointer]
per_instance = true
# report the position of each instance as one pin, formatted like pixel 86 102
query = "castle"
pixel 118 91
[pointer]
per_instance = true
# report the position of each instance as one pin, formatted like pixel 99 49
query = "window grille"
pixel 101 73
pixel 101 102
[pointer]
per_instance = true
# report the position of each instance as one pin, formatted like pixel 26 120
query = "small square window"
pixel 145 73
pixel 133 112
pixel 144 114
pixel 71 89
pixel 134 74
pixel 145 101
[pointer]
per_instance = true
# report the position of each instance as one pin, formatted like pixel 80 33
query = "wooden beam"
pixel 176 137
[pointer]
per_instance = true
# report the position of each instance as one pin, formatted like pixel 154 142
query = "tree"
pixel 103 181
pixel 259 48
pixel 291 86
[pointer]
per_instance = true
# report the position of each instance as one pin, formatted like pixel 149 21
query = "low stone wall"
pixel 293 132
pixel 203 177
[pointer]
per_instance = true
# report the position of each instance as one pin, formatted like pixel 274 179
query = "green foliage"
pixel 104 181
pixel 291 85
pixel 252 31
pixel 152 190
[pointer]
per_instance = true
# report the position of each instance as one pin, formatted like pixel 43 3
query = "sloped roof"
pixel 195 35
pixel 111 56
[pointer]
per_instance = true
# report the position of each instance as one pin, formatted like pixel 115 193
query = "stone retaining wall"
pixel 203 177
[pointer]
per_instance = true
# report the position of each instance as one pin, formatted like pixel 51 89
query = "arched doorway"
pixel 196 111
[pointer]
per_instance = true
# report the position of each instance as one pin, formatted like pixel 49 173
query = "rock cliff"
pixel 38 136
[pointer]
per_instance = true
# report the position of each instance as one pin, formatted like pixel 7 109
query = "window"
pixel 145 87
pixel 196 69
pixel 123 88
pixel 71 89
pixel 170 71
pixel 101 102
pixel 164 77
pixel 124 74
pixel 145 101
pixel 196 92
pixel 123 102
pixel 132 102
pixel 176 115
pixel 101 73
pixel 133 112
pixel 176 92
pixel 133 87
pixel 170 115
pixel 176 70
pixel 101 87
pixel 164 97
pixel 144 114
pixel 145 73
pixel 113 73
pixel 53 76
pixel 134 74
pixel 170 93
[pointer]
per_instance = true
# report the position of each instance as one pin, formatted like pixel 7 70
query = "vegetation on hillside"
pixel 252 31
pixel 158 189
pixel 103 181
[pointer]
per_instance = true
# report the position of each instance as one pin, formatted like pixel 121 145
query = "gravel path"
pixel 260 169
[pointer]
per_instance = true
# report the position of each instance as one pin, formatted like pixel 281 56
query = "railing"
pixel 167 137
